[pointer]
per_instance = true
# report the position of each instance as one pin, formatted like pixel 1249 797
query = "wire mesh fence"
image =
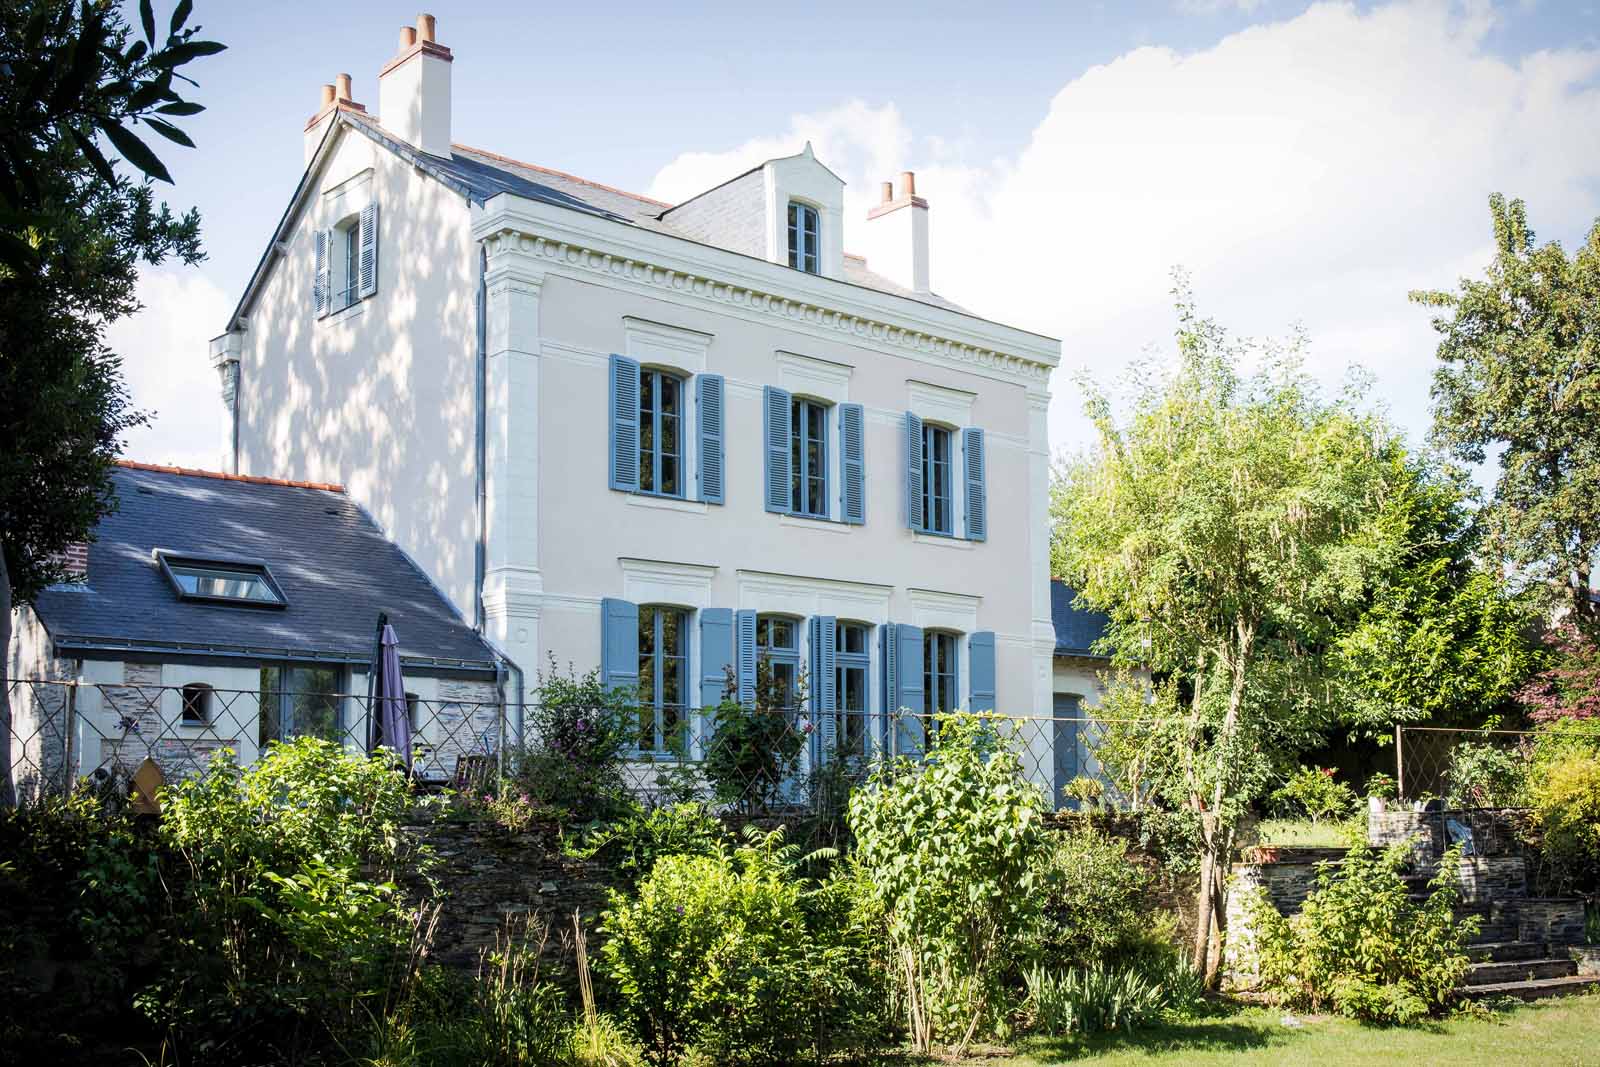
pixel 66 734
pixel 1464 768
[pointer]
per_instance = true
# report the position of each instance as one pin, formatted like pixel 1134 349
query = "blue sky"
pixel 1307 163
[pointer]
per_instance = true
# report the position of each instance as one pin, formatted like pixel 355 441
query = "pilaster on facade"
pixel 513 584
pixel 225 352
pixel 1044 633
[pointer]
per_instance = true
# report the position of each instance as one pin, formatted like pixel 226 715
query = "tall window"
pixel 803 242
pixel 300 702
pixel 660 433
pixel 850 687
pixel 778 642
pixel 937 514
pixel 663 678
pixel 348 241
pixel 808 432
pixel 938 674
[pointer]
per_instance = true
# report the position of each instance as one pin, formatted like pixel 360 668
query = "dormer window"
pixel 221 581
pixel 804 242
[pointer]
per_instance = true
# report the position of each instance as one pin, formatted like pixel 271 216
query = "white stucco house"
pixel 660 439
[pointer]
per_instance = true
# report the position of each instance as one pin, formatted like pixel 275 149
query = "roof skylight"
pixel 222 581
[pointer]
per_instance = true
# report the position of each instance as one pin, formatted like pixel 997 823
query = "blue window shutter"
pixel 980 669
pixel 910 733
pixel 824 698
pixel 369 250
pixel 775 424
pixel 977 493
pixel 744 630
pixel 624 424
pixel 709 416
pixel 322 272
pixel 914 517
pixel 852 455
pixel 619 645
pixel 889 683
pixel 716 654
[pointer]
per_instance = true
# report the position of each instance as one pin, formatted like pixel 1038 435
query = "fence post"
pixel 1399 764
pixel 69 771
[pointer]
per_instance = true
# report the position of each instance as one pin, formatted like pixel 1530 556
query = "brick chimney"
pixel 335 98
pixel 414 90
pixel 897 234
pixel 75 558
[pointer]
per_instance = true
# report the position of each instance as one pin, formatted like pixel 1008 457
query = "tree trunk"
pixel 8 789
pixel 1217 835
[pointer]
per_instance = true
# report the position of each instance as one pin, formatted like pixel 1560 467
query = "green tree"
pixel 74 228
pixel 1439 637
pixel 1228 525
pixel 1520 377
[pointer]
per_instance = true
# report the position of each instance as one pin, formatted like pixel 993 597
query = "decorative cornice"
pixel 755 298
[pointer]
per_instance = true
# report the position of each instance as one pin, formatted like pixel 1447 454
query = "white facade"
pixel 383 397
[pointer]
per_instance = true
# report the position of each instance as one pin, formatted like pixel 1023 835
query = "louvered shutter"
pixel 980 669
pixel 716 654
pixel 775 424
pixel 322 272
pixel 852 455
pixel 744 633
pixel 977 493
pixel 914 518
pixel 369 250
pixel 910 732
pixel 619 646
pixel 824 684
pixel 709 417
pixel 624 424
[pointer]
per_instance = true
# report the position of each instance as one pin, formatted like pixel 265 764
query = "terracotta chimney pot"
pixel 408 37
pixel 425 25
pixel 327 95
pixel 888 191
pixel 908 183
pixel 344 87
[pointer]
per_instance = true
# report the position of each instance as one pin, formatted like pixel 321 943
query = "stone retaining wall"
pixel 1554 921
pixel 488 878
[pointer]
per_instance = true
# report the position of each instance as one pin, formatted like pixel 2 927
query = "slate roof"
pixel 1077 629
pixel 480 175
pixel 336 569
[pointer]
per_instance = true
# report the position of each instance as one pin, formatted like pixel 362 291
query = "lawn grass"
pixel 1555 1033
pixel 1329 833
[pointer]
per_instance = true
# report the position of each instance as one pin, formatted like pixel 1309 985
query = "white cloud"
pixel 163 350
pixel 1312 170
pixel 1212 7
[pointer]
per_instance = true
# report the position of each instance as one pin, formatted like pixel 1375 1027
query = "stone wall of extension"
pixel 1494 881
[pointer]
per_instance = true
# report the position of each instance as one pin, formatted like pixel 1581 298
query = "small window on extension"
pixel 222 581
pixel 196 704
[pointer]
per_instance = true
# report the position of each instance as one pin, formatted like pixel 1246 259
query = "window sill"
pixel 666 503
pixel 942 540
pixel 343 313
pixel 813 522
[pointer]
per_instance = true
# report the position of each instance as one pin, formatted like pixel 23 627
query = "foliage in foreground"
pixel 950 849
pixel 741 959
pixel 1361 946
pixel 1100 998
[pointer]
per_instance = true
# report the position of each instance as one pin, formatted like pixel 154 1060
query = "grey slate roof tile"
pixel 335 567
pixel 1077 629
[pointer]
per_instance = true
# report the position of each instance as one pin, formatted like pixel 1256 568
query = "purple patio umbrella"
pixel 394 723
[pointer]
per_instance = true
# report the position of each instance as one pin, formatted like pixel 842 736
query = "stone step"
pixel 1502 951
pixel 1535 990
pixel 1501 972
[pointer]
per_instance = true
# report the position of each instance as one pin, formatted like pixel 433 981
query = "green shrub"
pixel 1361 946
pixel 581 734
pixel 1091 1000
pixel 1566 802
pixel 951 849
pixel 1486 775
pixel 1313 791
pixel 1095 899
pixel 754 752
pixel 633 843
pixel 714 952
